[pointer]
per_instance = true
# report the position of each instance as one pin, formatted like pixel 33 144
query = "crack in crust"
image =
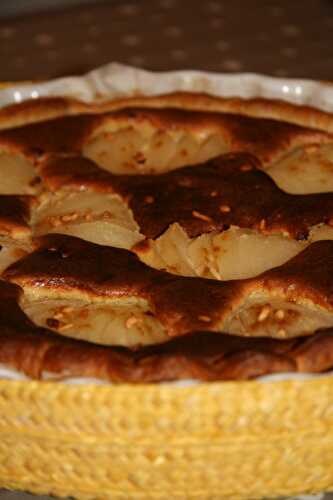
pixel 15 213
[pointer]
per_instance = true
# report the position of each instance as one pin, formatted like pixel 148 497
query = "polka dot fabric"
pixel 276 37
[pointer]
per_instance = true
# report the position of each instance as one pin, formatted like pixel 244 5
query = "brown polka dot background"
pixel 279 37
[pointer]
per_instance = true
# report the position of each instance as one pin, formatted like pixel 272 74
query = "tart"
pixel 152 242
pixel 140 227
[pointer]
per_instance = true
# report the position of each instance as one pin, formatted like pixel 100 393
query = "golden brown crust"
pixel 310 272
pixel 74 173
pixel 268 139
pixel 203 356
pixel 64 265
pixel 200 356
pixel 35 110
pixel 67 263
pixel 226 191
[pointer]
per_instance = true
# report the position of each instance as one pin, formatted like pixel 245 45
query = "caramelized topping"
pixel 229 191
pixel 246 199
pixel 266 138
pixel 65 264
pixel 202 356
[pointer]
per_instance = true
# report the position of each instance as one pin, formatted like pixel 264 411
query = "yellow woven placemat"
pixel 219 440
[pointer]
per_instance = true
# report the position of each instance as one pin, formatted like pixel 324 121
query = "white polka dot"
pixel 178 54
pixel 7 32
pixel 290 30
pixel 44 39
pixel 130 40
pixel 231 65
pixel 173 31
pixel 136 60
pixel 216 23
pixel 129 9
pixel 223 45
pixel 214 7
pixel 289 52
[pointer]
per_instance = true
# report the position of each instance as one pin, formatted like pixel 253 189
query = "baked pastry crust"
pixel 189 221
pixel 69 283
pixel 229 190
pixel 46 108
pixel 205 356
pixel 270 181
pixel 265 138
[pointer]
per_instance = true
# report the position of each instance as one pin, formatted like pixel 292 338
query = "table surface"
pixel 277 37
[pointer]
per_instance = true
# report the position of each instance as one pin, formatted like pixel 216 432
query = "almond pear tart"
pixel 166 287
pixel 165 239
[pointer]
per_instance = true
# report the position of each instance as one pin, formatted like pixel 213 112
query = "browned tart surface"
pixel 148 204
pixel 229 190
pixel 40 354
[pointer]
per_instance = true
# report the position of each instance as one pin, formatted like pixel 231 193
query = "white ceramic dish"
pixel 116 80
